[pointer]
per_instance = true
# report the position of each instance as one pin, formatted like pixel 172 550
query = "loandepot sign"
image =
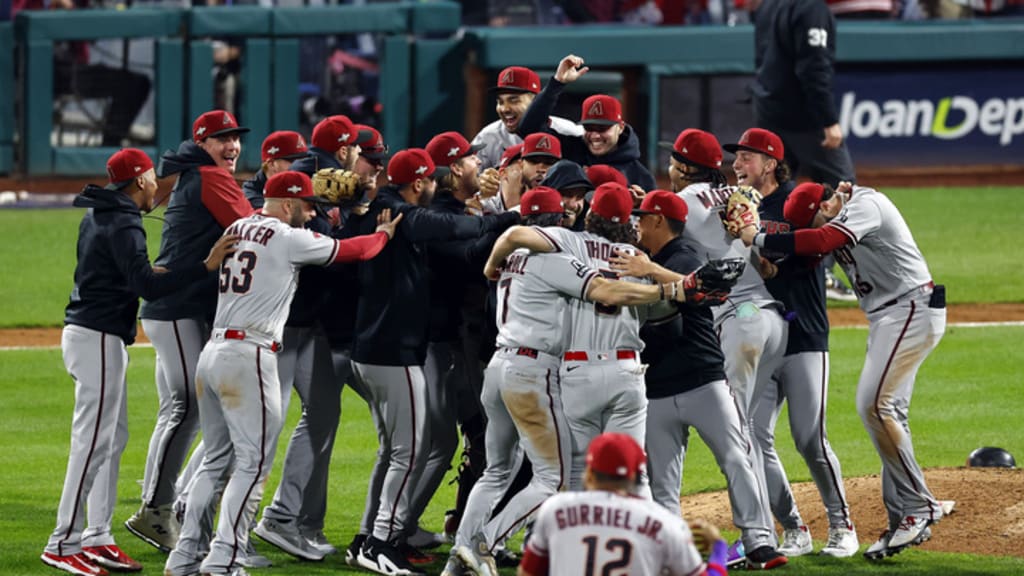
pixel 932 116
pixel 947 118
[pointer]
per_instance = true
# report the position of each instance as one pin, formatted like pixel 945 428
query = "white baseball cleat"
pixel 156 526
pixel 796 542
pixel 842 543
pixel 318 540
pixel 477 557
pixel 908 532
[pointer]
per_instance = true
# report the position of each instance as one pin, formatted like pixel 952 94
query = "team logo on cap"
pixel 596 109
pixel 507 77
pixel 421 170
pixel 273 150
pixel 295 189
pixel 453 152
pixel 301 144
pixel 343 138
pixel 544 143
pixel 227 119
pixel 201 130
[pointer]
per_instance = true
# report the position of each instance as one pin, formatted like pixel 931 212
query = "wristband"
pixel 661 290
pixel 759 239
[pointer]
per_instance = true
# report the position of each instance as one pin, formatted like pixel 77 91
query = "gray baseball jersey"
pixel 600 532
pixel 882 260
pixel 525 315
pixel 496 138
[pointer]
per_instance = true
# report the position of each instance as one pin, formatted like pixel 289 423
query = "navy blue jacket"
pixel 205 200
pixel 683 354
pixel 318 159
pixel 795 44
pixel 253 189
pixel 393 317
pixel 113 266
pixel 625 157
pixel 800 283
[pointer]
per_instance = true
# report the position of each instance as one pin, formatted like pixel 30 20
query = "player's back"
pixel 533 295
pixel 883 260
pixel 258 281
pixel 599 532
pixel 598 326
pixel 706 234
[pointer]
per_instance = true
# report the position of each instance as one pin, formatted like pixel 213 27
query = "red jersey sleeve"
pixel 360 248
pixel 222 196
pixel 811 241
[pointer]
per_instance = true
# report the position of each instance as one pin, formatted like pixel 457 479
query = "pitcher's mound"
pixel 988 518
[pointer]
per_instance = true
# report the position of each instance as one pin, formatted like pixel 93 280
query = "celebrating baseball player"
pixel 802 377
pixel 906 313
pixel 240 400
pixel 113 271
pixel 607 138
pixel 205 200
pixel 606 529
pixel 279 150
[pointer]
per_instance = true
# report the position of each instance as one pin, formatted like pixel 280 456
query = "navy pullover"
pixel 113 266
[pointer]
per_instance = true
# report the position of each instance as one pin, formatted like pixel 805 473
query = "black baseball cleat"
pixel 765 558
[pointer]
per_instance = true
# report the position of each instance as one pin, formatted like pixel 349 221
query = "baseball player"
pixel 751 330
pixel 571 181
pixel 606 529
pixel 907 317
pixel 802 377
pixel 334 145
pixel 601 374
pixel 686 384
pixel 514 91
pixel 100 320
pixel 495 195
pixel 391 346
pixel 240 401
pixel 522 387
pixel 279 150
pixel 205 200
pixel 607 138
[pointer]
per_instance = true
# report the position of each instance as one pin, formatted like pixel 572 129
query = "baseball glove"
pixel 710 284
pixel 337 186
pixel 741 208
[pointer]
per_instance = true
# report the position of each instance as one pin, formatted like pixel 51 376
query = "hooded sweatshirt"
pixel 566 174
pixel 205 200
pixel 625 157
pixel 113 266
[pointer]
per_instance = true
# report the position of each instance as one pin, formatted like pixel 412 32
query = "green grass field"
pixel 35 419
pixel 967 395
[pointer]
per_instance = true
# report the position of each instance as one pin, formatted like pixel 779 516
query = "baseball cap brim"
pixel 236 130
pixel 474 148
pixel 118 185
pixel 540 155
pixel 732 148
pixel 512 89
pixel 374 155
pixel 598 122
pixel 362 135
pixel 296 156
pixel 670 146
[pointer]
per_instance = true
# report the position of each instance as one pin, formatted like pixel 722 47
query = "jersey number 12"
pixel 624 547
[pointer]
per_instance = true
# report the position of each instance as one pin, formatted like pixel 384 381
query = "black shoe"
pixel 384 558
pixel 506 558
pixel 765 558
pixel 352 552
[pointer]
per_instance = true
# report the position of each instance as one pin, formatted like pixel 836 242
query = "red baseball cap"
pixel 612 201
pixel 289 184
pixel 126 165
pixel 283 145
pixel 665 203
pixel 517 79
pixel 336 131
pixel 759 140
pixel 616 454
pixel 694 146
pixel 410 165
pixel 372 144
pixel 215 123
pixel 447 147
pixel 541 200
pixel 803 203
pixel 542 145
pixel 601 109
pixel 511 154
pixel 600 173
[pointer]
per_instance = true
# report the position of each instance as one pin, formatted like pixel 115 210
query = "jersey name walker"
pixel 258 281
pixel 597 326
pixel 533 299
pixel 882 261
pixel 601 532
pixel 706 234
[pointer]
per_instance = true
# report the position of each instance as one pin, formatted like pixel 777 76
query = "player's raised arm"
pixel 511 240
